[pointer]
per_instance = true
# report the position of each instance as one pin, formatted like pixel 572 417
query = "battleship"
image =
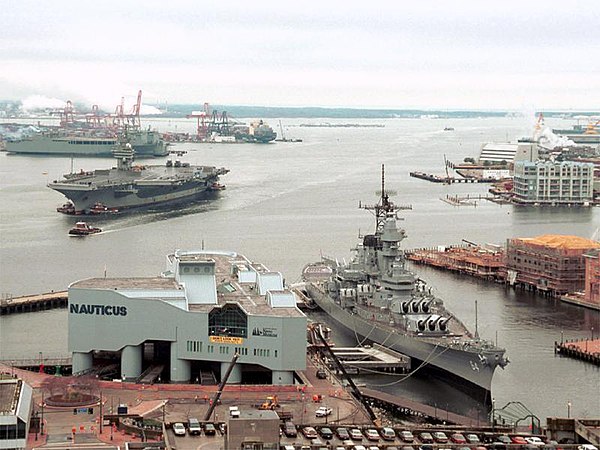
pixel 50 141
pixel 130 186
pixel 376 297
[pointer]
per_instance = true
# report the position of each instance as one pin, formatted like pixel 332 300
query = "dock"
pixel 432 414
pixel 584 349
pixel 476 261
pixel 449 180
pixel 371 359
pixel 30 303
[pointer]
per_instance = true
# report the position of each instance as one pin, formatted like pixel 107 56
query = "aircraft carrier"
pixel 131 186
pixel 378 299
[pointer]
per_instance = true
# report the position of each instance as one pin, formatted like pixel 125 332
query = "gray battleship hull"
pixel 455 362
pixel 145 144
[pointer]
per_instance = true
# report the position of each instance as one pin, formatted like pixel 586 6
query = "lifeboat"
pixel 83 229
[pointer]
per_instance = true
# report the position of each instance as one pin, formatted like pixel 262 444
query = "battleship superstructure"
pixel 380 300
pixel 131 186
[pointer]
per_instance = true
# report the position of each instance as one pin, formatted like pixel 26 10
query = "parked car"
pixel 209 429
pixel 309 433
pixel 321 374
pixel 407 436
pixel 587 447
pixel 342 433
pixel 534 440
pixel 458 438
pixel 194 426
pixel 520 440
pixel 405 447
pixel 374 447
pixel 426 438
pixel 326 433
pixel 371 434
pixel 179 429
pixel 323 411
pixel 359 447
pixel 355 434
pixel 472 439
pixel 505 439
pixel 440 437
pixel 289 429
pixel 388 433
pixel 316 442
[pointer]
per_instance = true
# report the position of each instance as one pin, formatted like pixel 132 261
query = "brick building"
pixel 592 276
pixel 551 263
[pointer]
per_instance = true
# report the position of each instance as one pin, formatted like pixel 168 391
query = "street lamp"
pixel 568 410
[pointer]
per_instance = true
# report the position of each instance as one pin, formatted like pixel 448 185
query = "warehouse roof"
pixel 562 241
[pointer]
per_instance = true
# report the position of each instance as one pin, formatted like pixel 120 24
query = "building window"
pixel 230 320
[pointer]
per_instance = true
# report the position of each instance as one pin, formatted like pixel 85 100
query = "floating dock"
pixel 371 359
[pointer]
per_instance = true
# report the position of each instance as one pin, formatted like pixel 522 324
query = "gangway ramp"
pixel 151 374
pixel 375 358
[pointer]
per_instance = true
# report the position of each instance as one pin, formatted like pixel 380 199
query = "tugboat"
pixel 67 208
pixel 101 208
pixel 83 229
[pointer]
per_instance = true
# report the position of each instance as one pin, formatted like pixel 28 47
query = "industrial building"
pixel 548 182
pixel 508 152
pixel 16 403
pixel 551 263
pixel 189 322
pixel 592 276
pixel 253 430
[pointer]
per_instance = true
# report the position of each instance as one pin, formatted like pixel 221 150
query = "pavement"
pixel 178 402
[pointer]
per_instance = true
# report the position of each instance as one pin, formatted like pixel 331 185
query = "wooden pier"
pixel 30 303
pixel 584 349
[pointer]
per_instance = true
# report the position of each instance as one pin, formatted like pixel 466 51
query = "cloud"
pixel 37 102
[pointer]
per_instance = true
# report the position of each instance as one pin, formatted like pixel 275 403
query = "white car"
pixel 323 411
pixel 534 440
pixel 587 447
pixel 178 429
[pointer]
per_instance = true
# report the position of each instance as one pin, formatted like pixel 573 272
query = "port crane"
pixel 217 395
pixel 202 120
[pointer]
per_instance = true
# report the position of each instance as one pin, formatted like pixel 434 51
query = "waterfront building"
pixel 592 276
pixel 508 152
pixel 190 321
pixel 548 182
pixel 16 403
pixel 551 263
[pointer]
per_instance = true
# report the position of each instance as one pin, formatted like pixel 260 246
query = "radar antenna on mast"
pixel 385 206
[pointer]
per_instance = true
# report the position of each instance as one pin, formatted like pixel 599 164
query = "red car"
pixel 458 438
pixel 518 440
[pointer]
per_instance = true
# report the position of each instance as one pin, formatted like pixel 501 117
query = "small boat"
pixel 449 129
pixel 216 187
pixel 66 208
pixel 101 208
pixel 83 229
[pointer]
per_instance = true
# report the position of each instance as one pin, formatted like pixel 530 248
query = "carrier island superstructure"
pixel 376 297
pixel 204 308
pixel 130 186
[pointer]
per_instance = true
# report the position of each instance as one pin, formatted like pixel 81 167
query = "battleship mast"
pixel 384 207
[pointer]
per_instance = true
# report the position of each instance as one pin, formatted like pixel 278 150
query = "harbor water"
pixel 288 202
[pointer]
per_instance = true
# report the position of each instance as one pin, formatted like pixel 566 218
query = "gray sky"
pixel 397 54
